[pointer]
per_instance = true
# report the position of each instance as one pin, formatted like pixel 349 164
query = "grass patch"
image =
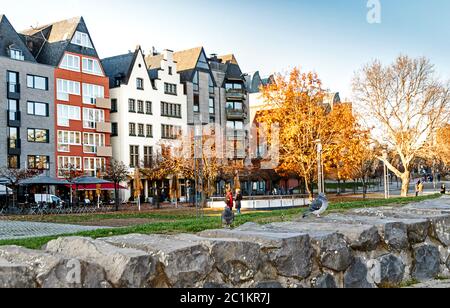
pixel 186 222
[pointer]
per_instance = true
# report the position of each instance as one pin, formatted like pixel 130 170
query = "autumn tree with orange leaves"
pixel 294 103
pixel 443 145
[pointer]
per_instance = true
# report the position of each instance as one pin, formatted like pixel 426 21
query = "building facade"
pixel 27 111
pixel 81 92
pixel 149 109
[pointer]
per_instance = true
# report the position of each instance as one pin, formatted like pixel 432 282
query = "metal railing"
pixel 273 201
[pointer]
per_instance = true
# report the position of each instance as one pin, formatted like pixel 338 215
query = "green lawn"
pixel 186 222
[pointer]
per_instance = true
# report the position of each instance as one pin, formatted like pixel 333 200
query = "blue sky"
pixel 331 37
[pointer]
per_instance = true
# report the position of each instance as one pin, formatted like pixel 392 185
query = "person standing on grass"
pixel 421 187
pixel 418 188
pixel 229 198
pixel 238 201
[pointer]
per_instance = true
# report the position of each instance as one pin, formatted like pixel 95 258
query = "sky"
pixel 330 37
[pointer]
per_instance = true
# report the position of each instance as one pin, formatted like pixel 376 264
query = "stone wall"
pixel 366 248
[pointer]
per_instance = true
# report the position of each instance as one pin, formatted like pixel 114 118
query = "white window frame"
pixel 91 92
pixel 82 39
pixel 92 116
pixel 63 161
pixel 70 58
pixel 96 68
pixel 67 113
pixel 65 88
pixel 91 141
pixel 99 163
pixel 67 139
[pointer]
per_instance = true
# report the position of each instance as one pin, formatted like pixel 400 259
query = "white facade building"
pixel 149 109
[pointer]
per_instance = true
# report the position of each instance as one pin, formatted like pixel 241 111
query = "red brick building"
pixel 82 105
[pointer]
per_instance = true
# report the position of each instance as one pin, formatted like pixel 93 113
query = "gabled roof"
pixel 187 59
pixel 228 59
pixel 121 66
pixel 49 42
pixel 11 39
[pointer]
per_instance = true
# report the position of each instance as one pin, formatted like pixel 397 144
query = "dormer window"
pixel 16 54
pixel 82 39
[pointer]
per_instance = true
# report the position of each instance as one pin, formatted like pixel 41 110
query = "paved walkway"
pixel 435 284
pixel 10 230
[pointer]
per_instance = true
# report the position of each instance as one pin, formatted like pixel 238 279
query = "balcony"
pixel 104 127
pixel 236 134
pixel 14 118
pixel 236 94
pixel 104 151
pixel 14 146
pixel 103 103
pixel 236 114
pixel 13 90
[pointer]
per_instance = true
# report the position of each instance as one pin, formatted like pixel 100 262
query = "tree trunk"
pixel 338 187
pixel 405 183
pixel 308 189
pixel 116 192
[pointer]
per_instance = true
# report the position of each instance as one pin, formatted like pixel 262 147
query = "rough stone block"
pixel 182 263
pixel 324 281
pixel 356 276
pixel 15 275
pixel 124 267
pixel 387 270
pixel 427 262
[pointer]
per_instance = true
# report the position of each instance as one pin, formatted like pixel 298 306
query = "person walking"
pixel 238 201
pixel 443 189
pixel 421 187
pixel 418 188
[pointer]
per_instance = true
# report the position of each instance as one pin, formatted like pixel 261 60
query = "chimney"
pixel 168 55
pixel 213 58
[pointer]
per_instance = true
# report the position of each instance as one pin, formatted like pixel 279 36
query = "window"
pixel 203 62
pixel 132 129
pixel 16 54
pixel 93 165
pixel 212 107
pixel 37 82
pixel 140 83
pixel 235 125
pixel 114 105
pixel 92 141
pixel 13 162
pixel 67 113
pixel 14 138
pixel 70 62
pixel 13 110
pixel 170 131
pixel 131 105
pixel 238 106
pixel 38 162
pixel 211 85
pixel 233 86
pixel 38 135
pixel 170 110
pixel 134 156
pixel 82 39
pixel 66 88
pixel 140 107
pixel 66 163
pixel 13 82
pixel 114 129
pixel 170 88
pixel 196 103
pixel 141 132
pixel 212 120
pixel 170 70
pixel 91 92
pixel 92 116
pixel 148 108
pixel 68 138
pixel 148 157
pixel 37 109
pixel 196 82
pixel 92 66
pixel 149 131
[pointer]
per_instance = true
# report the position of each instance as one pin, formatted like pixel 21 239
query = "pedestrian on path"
pixel 418 188
pixel 443 189
pixel 238 199
pixel 229 198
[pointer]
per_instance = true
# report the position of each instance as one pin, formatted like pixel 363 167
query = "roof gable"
pixel 9 38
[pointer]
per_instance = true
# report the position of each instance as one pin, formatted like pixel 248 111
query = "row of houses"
pixel 68 109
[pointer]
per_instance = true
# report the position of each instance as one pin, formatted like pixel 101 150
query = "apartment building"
pixel 148 108
pixel 82 105
pixel 27 135
pixel 216 94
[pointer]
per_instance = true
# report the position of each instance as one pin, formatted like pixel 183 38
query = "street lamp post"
pixel 386 176
pixel 198 151
pixel 320 173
